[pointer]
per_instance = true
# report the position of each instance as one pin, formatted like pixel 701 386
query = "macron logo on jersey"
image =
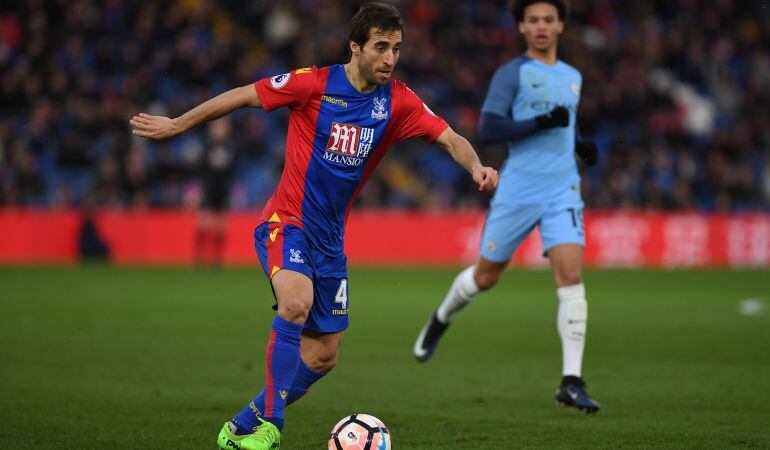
pixel 349 144
pixel 334 101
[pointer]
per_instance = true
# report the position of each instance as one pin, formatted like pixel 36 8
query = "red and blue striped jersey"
pixel 336 138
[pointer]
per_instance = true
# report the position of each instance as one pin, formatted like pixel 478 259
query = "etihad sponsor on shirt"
pixel 349 144
pixel 545 106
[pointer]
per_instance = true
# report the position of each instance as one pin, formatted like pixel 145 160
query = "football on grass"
pixel 359 432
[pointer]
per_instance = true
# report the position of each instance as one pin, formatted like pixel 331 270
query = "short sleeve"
pixel 502 91
pixel 419 120
pixel 291 89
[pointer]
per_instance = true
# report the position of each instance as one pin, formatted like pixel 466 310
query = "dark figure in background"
pixel 217 167
pixel 92 247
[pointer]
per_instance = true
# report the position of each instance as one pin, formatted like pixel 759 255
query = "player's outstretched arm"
pixel 462 152
pixel 159 127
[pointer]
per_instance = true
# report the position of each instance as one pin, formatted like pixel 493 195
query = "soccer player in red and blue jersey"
pixel 343 120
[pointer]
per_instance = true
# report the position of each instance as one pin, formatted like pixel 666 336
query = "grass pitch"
pixel 99 357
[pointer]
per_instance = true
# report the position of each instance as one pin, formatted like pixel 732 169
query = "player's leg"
pixel 257 428
pixel 294 294
pixel 326 317
pixel 562 232
pixel 323 329
pixel 479 277
pixel 319 353
pixel 505 228
pixel 283 252
pixel 573 309
pixel 571 322
pixel 319 344
pixel 318 356
pixel 326 322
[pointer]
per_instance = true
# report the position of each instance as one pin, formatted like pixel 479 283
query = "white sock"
pixel 571 323
pixel 460 294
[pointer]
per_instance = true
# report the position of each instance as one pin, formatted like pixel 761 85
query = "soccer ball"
pixel 359 432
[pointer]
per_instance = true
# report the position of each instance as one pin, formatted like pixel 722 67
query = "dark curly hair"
pixel 517 8
pixel 382 16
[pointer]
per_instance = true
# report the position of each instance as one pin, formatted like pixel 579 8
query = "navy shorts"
pixel 282 246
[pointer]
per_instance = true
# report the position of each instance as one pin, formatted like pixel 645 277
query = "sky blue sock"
pixel 304 378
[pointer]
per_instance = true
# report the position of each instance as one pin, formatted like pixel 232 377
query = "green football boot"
pixel 265 437
pixel 227 439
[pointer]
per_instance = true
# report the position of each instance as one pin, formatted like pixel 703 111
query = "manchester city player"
pixel 531 104
pixel 343 120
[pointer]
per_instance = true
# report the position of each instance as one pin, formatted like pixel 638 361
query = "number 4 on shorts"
pixel 342 294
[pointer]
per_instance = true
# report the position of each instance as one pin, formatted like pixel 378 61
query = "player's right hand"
pixel 154 127
pixel 485 177
pixel 557 117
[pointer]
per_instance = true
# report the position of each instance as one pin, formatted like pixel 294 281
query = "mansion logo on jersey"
pixel 349 144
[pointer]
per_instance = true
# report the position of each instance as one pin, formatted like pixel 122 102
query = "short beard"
pixel 368 76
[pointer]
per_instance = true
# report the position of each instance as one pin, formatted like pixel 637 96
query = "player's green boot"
pixel 227 439
pixel 266 437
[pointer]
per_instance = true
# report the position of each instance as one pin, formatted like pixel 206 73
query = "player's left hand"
pixel 485 177
pixel 588 152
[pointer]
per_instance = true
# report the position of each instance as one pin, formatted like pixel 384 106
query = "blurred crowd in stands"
pixel 676 93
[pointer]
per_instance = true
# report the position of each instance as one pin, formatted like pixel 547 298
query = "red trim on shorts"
pixel 274 248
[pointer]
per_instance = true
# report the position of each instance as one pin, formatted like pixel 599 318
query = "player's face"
pixel 379 55
pixel 541 26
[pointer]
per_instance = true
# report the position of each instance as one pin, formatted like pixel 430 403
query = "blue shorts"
pixel 282 246
pixel 559 218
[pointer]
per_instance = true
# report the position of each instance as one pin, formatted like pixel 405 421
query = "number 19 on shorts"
pixel 576 214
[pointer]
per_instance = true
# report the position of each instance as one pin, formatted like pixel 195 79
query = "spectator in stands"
pixel 679 104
